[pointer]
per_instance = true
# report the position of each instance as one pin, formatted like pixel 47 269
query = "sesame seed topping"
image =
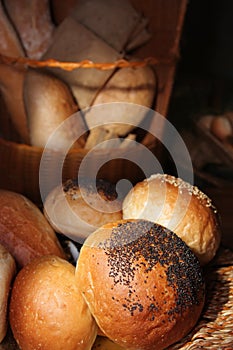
pixel 183 185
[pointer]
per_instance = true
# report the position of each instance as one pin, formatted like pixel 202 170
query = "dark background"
pixel 204 76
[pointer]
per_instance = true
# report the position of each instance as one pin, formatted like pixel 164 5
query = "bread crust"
pixel 142 283
pixel 184 209
pixel 77 210
pixel 47 310
pixel 7 273
pixel 24 230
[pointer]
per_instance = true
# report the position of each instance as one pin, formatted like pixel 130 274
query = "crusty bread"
pixel 33 24
pixel 24 231
pixel 182 208
pixel 12 77
pixel 48 103
pixel 142 283
pixel 47 310
pixel 132 85
pixel 7 272
pixel 129 85
pixel 77 209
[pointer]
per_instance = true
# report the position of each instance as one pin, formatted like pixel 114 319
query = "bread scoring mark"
pixel 139 246
pixel 105 189
pixel 183 185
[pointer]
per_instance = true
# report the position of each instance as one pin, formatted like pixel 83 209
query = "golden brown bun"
pixel 47 310
pixel 77 210
pixel 7 272
pixel 24 231
pixel 142 283
pixel 182 208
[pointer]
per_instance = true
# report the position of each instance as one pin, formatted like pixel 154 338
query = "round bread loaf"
pixel 77 209
pixel 142 283
pixel 7 272
pixel 24 231
pixel 184 209
pixel 47 310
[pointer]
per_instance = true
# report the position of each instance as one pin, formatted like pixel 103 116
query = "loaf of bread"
pixel 33 24
pixel 77 209
pixel 142 283
pixel 179 206
pixel 7 272
pixel 24 231
pixel 130 86
pixel 47 310
pixel 12 78
pixel 48 103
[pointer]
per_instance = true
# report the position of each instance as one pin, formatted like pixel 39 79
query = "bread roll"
pixel 49 102
pixel 24 231
pixel 132 85
pixel 7 272
pixel 221 127
pixel 142 283
pixel 129 85
pixel 47 310
pixel 182 208
pixel 77 209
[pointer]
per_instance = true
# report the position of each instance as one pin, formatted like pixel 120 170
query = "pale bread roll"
pixel 76 210
pixel 175 204
pixel 12 77
pixel 221 127
pixel 142 283
pixel 24 231
pixel 7 272
pixel 49 102
pixel 129 85
pixel 33 23
pixel 47 310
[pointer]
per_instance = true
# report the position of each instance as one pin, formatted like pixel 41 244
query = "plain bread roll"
pixel 24 231
pixel 179 206
pixel 77 209
pixel 47 310
pixel 48 103
pixel 7 272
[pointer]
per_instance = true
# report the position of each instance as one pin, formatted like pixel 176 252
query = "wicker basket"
pixel 20 163
pixel 20 166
